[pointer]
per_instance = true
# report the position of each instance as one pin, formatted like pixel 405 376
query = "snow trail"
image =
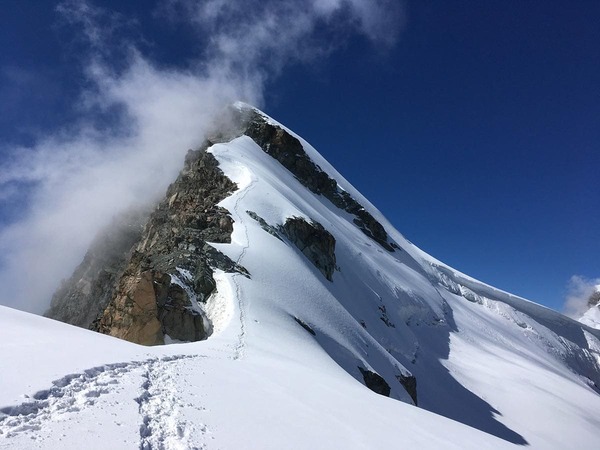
pixel 240 347
pixel 164 426
pixel 69 394
pixel 160 407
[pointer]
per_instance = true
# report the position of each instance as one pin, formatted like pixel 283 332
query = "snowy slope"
pixel 492 370
pixel 107 393
pixel 591 317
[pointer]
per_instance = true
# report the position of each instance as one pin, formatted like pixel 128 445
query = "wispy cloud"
pixel 255 37
pixel 138 119
pixel 579 291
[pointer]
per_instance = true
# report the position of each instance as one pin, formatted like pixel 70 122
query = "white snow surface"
pixel 493 370
pixel 591 317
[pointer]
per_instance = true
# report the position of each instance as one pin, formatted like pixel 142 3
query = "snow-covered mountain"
pixel 592 316
pixel 298 295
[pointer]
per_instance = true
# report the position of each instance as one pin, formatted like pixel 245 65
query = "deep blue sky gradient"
pixel 477 135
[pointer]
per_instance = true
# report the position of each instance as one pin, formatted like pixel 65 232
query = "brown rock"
pixel 133 314
pixel 152 298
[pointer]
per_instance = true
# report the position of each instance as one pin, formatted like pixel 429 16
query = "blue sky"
pixel 474 126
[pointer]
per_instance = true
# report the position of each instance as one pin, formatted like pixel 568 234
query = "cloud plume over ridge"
pixel 72 182
pixel 579 291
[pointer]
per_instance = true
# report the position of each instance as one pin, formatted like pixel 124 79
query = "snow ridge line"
pixel 239 349
pixel 161 409
pixel 69 394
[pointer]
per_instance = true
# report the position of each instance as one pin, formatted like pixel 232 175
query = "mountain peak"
pixel 260 247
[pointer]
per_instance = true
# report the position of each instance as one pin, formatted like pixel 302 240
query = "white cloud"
pixel 380 20
pixel 71 183
pixel 579 291
pixel 253 35
pixel 83 178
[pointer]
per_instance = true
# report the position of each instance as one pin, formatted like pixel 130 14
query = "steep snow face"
pixel 591 317
pixel 295 342
pixel 402 314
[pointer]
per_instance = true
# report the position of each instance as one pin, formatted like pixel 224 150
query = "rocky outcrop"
pixel 148 275
pixel 288 150
pixel 304 325
pixel 264 225
pixel 375 382
pixel 409 382
pixel 594 299
pixel 384 316
pixel 148 306
pixel 81 298
pixel 314 241
pixel 133 315
pixel 169 276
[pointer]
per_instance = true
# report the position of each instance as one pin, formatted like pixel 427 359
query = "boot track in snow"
pixel 160 407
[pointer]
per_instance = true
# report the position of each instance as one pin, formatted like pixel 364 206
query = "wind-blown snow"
pixel 492 370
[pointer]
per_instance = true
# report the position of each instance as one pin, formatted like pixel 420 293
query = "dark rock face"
pixel 288 150
pixel 314 241
pixel 81 298
pixel 594 299
pixel 384 317
pixel 178 319
pixel 148 275
pixel 409 382
pixel 305 326
pixel 170 272
pixel 264 225
pixel 375 382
